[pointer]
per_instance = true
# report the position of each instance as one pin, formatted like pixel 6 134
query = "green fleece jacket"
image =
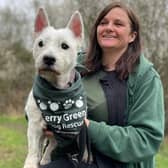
pixel 138 141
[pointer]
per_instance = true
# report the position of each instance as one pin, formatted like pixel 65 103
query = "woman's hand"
pixel 48 133
pixel 87 122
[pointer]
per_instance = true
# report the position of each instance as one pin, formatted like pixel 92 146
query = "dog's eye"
pixel 64 46
pixel 41 44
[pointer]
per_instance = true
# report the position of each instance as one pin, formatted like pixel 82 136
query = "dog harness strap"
pixel 63 110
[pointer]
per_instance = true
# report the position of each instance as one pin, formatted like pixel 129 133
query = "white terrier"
pixel 55 54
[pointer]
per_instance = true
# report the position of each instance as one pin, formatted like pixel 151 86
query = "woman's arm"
pixel 144 132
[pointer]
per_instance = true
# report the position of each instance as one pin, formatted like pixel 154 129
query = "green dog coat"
pixel 63 110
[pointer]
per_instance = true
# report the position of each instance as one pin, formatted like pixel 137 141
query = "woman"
pixel 125 96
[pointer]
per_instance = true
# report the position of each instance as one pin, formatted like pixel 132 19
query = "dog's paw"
pixel 30 164
pixel 44 162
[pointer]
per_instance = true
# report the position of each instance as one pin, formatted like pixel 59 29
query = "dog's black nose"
pixel 49 60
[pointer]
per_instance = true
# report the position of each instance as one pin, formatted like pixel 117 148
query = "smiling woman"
pixel 114 31
pixel 114 34
pixel 125 112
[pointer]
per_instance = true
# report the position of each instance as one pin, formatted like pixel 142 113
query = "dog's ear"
pixel 76 25
pixel 41 21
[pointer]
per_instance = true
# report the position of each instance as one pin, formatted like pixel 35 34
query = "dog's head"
pixel 55 50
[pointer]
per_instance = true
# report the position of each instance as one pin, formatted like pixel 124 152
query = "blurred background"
pixel 17 68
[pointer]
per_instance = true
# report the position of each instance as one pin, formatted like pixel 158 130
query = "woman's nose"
pixel 110 27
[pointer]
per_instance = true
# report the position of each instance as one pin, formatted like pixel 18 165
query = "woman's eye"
pixel 64 46
pixel 119 24
pixel 41 44
pixel 103 23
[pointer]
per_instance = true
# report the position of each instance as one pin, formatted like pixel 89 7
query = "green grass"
pixel 162 157
pixel 13 144
pixel 162 161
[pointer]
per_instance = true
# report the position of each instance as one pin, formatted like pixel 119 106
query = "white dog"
pixel 55 54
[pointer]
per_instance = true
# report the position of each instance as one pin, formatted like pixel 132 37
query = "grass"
pixel 162 157
pixel 13 144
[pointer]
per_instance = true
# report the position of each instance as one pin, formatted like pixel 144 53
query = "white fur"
pixel 60 75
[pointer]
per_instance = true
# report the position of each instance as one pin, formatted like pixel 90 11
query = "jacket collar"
pixel 143 66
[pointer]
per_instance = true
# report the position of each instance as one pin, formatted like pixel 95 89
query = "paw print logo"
pixel 79 102
pixel 42 105
pixel 53 106
pixel 68 104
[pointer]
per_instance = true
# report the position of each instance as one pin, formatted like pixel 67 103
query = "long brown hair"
pixel 130 57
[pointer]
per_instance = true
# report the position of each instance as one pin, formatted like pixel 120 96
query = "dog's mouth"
pixel 48 70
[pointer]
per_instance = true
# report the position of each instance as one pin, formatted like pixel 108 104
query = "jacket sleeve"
pixel 144 132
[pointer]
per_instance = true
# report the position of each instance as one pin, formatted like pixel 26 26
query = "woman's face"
pixel 114 30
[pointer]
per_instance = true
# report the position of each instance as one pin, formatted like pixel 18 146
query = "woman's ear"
pixel 132 36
